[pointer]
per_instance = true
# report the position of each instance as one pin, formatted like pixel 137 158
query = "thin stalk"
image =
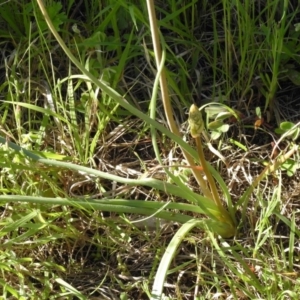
pixel 268 170
pixel 272 167
pixel 105 88
pixel 165 96
pixel 197 129
pixel 206 171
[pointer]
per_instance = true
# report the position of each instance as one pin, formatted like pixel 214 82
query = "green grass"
pixel 65 232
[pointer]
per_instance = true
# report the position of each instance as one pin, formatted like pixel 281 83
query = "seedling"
pixel 288 130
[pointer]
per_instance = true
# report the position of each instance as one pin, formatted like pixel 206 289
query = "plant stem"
pixel 210 179
pixel 269 169
pixel 272 167
pixel 166 99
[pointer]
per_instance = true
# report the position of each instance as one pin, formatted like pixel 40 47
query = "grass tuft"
pixel 88 210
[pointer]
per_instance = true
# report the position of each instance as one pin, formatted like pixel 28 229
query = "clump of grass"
pixel 60 143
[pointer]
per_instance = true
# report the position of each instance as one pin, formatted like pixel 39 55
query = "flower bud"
pixel 195 121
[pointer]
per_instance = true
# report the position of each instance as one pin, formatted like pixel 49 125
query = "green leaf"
pixel 258 111
pixel 290 166
pixel 168 256
pixel 224 115
pixel 286 125
pixel 294 76
pixel 58 18
pixel 96 40
pixel 297 26
pixel 238 144
pixel 215 125
pixel 214 110
pixel 289 129
pixel 224 128
pixel 279 131
pixel 296 134
pixel 215 135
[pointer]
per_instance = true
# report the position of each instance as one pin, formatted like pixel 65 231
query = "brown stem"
pixel 210 179
pixel 166 99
